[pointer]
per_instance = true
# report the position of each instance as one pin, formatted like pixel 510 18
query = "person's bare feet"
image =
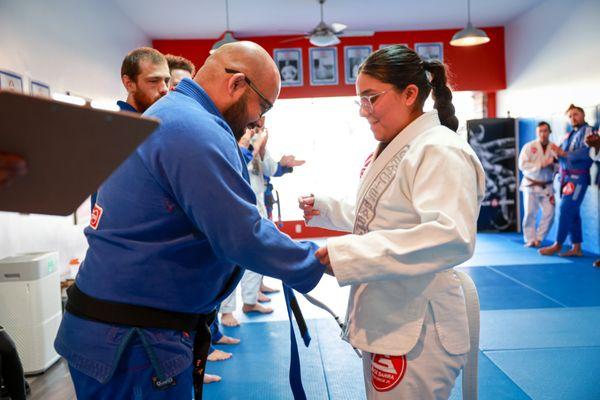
pixel 265 289
pixel 530 243
pixel 574 251
pixel 228 319
pixel 537 243
pixel 550 250
pixel 210 378
pixel 257 308
pixel 219 355
pixel 228 340
pixel 262 298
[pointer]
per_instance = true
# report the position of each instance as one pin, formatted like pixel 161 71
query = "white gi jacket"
pixel 415 219
pixel 258 168
pixel 531 159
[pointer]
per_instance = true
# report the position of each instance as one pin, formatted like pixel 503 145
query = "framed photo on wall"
pixel 11 81
pixel 353 57
pixel 289 63
pixel 323 66
pixel 430 51
pixel 39 89
pixel 381 46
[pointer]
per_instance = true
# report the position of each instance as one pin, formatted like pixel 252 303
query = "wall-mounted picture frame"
pixel 11 81
pixel 353 57
pixel 323 66
pixel 289 63
pixel 40 89
pixel 384 45
pixel 430 51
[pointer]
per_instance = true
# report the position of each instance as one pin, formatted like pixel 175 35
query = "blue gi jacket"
pixel 576 166
pixel 173 221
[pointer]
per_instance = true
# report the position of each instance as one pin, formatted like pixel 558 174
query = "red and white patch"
pixel 387 371
pixel 96 215
pixel 568 189
pixel 534 150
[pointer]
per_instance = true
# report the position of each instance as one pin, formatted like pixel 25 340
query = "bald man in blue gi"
pixel 169 232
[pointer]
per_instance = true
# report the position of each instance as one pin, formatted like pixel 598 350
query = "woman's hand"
pixel 322 255
pixel 307 204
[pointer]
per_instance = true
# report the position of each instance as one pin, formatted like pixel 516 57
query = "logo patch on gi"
pixel 96 215
pixel 163 385
pixel 568 189
pixel 533 150
pixel 387 371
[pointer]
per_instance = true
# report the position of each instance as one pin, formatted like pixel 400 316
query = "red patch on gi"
pixel 533 150
pixel 387 371
pixel 96 215
pixel 568 189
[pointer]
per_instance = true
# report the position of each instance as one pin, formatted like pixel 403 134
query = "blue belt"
pixel 295 372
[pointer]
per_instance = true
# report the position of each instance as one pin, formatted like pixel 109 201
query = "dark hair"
pixel 178 62
pixel 545 123
pixel 131 63
pixel 401 66
pixel 574 107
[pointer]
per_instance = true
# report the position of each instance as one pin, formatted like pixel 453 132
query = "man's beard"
pixel 142 101
pixel 236 117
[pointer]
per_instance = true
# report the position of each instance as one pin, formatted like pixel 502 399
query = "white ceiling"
pixel 189 19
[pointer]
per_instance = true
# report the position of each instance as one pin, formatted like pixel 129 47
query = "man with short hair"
pixel 179 68
pixel 575 162
pixel 536 162
pixel 172 227
pixel 145 75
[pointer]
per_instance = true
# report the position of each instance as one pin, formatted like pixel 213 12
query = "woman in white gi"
pixel 414 219
pixel 537 162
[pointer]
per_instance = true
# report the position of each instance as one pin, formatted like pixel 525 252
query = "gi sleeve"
pixel 203 168
pixel 446 192
pixel 583 152
pixel 528 164
pixel 335 214
pixel 269 166
pixel 594 154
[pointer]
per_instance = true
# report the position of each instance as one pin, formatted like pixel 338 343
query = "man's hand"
pixel 290 161
pixel 322 255
pixel 558 150
pixel 11 167
pixel 307 204
pixel 593 141
pixel 245 139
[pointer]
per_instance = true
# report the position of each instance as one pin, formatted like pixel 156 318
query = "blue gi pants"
pixel 134 378
pixel 569 223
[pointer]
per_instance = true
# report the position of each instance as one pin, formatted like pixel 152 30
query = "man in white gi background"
pixel 537 163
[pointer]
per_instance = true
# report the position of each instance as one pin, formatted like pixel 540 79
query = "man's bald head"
pixel 251 82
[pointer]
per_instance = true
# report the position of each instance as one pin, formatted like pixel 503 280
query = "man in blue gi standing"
pixel 169 231
pixel 575 162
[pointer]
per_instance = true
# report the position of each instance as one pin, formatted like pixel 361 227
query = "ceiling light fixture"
pixel 470 36
pixel 228 37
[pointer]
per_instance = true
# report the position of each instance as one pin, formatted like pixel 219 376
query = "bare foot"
pixel 262 298
pixel 257 308
pixel 265 289
pixel 209 378
pixel 530 244
pixel 228 319
pixel 228 340
pixel 219 355
pixel 537 243
pixel 573 252
pixel 550 250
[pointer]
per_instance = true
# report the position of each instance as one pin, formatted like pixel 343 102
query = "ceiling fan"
pixel 328 35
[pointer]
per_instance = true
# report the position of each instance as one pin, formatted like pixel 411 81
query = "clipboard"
pixel 70 150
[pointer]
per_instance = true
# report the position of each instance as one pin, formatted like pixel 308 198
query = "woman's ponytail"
pixel 442 96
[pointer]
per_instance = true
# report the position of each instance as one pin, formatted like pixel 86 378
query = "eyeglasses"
pixel 366 102
pixel 255 89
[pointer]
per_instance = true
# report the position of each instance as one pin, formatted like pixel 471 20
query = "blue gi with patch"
pixel 574 181
pixel 170 226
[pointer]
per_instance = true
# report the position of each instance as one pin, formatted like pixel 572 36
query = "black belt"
pixel 82 305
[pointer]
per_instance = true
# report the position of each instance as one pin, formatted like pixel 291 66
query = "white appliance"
pixel 30 307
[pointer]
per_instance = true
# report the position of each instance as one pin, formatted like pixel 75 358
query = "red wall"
pixel 480 68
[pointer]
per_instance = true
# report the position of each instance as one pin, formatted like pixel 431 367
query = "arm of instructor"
pixel 446 193
pixel 206 178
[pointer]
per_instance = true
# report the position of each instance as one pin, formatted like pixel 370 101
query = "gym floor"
pixel 540 336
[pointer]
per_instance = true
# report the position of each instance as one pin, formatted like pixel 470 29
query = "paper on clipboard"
pixel 70 150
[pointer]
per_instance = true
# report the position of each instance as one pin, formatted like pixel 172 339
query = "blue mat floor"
pixel 540 334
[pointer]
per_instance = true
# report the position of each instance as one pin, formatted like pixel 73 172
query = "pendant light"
pixel 228 37
pixel 470 36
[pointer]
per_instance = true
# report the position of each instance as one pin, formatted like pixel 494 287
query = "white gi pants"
pixel 250 284
pixel 533 201
pixel 427 372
